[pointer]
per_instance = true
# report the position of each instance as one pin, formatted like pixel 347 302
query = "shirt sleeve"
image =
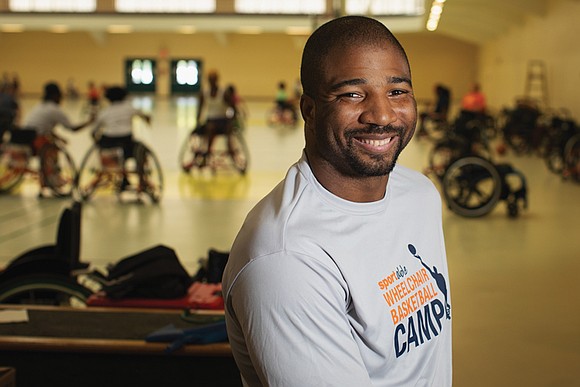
pixel 62 119
pixel 288 324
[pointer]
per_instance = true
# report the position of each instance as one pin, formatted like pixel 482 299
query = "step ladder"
pixel 536 83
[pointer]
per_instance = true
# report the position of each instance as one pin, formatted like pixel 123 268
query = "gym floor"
pixel 513 280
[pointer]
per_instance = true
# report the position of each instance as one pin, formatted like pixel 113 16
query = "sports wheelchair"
pixel 229 150
pixel 48 274
pixel 107 168
pixel 55 168
pixel 473 186
pixel 467 136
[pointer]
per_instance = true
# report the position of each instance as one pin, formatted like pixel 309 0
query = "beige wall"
pixel 255 63
pixel 553 39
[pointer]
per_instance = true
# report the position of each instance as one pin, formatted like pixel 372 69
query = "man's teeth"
pixel 377 142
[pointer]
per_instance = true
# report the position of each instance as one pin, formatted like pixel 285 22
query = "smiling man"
pixel 339 277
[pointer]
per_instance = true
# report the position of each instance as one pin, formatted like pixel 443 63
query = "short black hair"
pixel 346 31
pixel 51 90
pixel 115 93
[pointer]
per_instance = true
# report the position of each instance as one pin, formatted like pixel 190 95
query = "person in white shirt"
pixel 215 112
pixel 339 276
pixel 47 115
pixel 113 126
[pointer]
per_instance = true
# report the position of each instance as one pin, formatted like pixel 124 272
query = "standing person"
pixel 323 285
pixel 215 104
pixel 114 124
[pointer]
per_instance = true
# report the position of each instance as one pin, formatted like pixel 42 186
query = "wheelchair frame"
pixel 15 164
pixel 229 151
pixel 106 168
pixel 473 186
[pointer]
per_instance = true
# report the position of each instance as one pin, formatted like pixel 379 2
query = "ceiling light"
pixel 298 30
pixel 186 29
pixel 12 28
pixel 250 30
pixel 119 29
pixel 435 15
pixel 59 28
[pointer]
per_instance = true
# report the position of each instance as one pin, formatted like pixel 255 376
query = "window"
pixel 281 6
pixel 52 5
pixel 165 6
pixel 385 7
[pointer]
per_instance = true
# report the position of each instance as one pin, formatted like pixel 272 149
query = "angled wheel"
pixel 91 174
pixel 191 152
pixel 45 290
pixel 443 154
pixel 435 129
pixel 57 169
pixel 472 186
pixel 555 160
pixel 13 164
pixel 238 151
pixel 572 158
pixel 149 172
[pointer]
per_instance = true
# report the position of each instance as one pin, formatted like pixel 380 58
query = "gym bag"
pixel 152 273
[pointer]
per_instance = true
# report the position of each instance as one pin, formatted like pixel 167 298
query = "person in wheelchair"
pixel 440 112
pixel 284 103
pixel 217 104
pixel 113 127
pixel 44 117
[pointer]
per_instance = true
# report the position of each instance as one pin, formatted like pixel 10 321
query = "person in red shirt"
pixel 474 101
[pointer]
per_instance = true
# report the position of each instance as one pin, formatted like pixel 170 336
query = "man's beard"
pixel 380 165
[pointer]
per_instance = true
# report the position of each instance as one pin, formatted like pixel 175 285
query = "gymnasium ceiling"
pixel 473 21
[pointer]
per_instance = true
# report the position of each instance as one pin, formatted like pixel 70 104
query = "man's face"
pixel 364 112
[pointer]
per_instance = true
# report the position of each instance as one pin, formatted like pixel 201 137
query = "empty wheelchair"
pixel 473 186
pixel 47 274
pixel 466 137
pixel 106 169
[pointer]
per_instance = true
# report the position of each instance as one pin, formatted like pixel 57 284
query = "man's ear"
pixel 307 108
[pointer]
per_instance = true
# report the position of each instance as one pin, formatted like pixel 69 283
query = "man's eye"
pixel 350 95
pixel 398 92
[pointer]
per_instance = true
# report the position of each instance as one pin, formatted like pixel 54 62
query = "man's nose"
pixel 378 111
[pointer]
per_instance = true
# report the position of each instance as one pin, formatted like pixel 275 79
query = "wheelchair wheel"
pixel 44 290
pixel 191 152
pixel 149 172
pixel 281 119
pixel 472 186
pixel 91 174
pixel 572 158
pixel 12 167
pixel 443 154
pixel 57 169
pixel 238 151
pixel 554 160
pixel 435 129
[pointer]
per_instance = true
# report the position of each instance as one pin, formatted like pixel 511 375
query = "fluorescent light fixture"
pixel 299 7
pixel 186 29
pixel 166 6
pixel 250 30
pixel 435 15
pixel 59 28
pixel 298 30
pixel 52 6
pixel 385 7
pixel 12 27
pixel 119 29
